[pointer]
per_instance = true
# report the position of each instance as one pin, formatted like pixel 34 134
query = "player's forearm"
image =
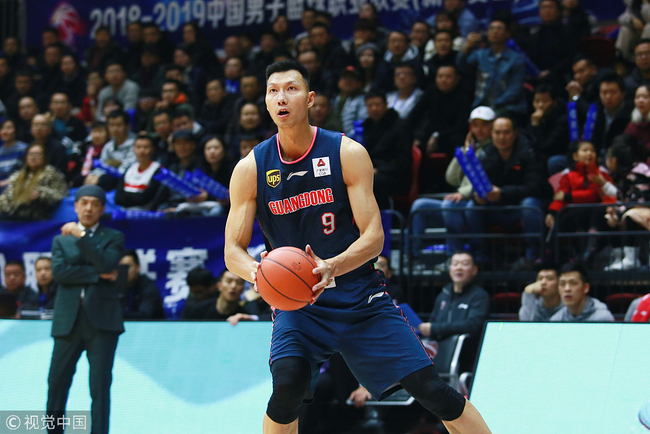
pixel 239 262
pixel 368 246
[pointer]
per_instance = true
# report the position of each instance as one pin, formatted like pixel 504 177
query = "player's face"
pixel 288 98
pixel 462 269
pixel 572 289
pixel 231 286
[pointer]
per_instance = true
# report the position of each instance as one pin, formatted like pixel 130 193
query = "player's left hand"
pixel 324 269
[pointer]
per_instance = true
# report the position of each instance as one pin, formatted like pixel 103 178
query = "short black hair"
pixel 464 252
pixel 613 78
pixel 132 253
pixel 375 93
pixel 145 136
pixel 18 262
pixel 50 29
pixel 442 31
pixel 323 25
pixel 546 88
pixel 200 276
pixel 114 100
pixel 582 56
pixel 642 41
pixel 183 111
pixel 547 265
pixel 98 124
pixel 621 149
pixel 161 112
pixel 578 267
pixel 119 113
pixel 24 72
pixel 287 65
pixel 43 258
pixel 512 121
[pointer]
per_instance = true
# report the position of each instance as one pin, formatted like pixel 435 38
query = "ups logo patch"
pixel 273 177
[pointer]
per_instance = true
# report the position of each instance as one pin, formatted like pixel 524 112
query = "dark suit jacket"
pixel 76 265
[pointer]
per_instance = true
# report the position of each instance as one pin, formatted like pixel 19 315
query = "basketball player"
pixel 312 188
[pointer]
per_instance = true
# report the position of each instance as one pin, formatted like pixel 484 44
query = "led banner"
pixel 77 20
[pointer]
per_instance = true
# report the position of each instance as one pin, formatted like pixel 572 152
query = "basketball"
pixel 285 278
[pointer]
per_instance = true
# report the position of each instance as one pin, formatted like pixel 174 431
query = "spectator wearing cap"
pixel 119 86
pixel 399 51
pixel 439 118
pixel 216 112
pixel 387 141
pixel 117 152
pixel 333 56
pixel 577 306
pixel 433 213
pixel 184 148
pixel 549 128
pixel 499 70
pixel 552 45
pixel 349 104
pixel 87 310
pixel 137 188
pixel 407 95
pixel 149 74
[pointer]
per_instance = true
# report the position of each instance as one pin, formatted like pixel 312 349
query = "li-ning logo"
pixel 292 174
pixel 273 177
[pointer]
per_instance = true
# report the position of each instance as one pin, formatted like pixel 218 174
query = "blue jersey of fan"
pixel 306 201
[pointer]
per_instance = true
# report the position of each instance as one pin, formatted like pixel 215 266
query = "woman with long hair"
pixel 35 190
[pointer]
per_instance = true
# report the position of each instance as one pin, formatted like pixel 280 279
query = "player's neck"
pixel 295 141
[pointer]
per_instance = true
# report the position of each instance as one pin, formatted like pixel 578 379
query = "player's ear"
pixel 312 98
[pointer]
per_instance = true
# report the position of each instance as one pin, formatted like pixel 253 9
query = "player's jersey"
pixel 306 201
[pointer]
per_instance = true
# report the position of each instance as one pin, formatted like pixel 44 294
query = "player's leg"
pixel 455 412
pixel 291 379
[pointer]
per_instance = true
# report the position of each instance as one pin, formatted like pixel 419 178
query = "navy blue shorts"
pixel 373 336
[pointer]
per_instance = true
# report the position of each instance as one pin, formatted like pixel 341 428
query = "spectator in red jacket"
pixel 582 184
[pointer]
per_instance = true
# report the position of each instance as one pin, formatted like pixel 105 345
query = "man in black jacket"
pixel 518 177
pixel 614 113
pixel 462 306
pixel 388 143
pixel 142 299
pixel 439 119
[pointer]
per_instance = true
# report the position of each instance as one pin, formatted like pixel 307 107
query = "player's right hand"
pixel 256 266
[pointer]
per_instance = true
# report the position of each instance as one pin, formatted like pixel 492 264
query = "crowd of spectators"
pixel 116 115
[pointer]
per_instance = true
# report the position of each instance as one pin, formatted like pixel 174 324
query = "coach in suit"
pixel 88 310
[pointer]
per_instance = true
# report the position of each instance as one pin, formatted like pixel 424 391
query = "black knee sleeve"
pixel 291 378
pixel 434 394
